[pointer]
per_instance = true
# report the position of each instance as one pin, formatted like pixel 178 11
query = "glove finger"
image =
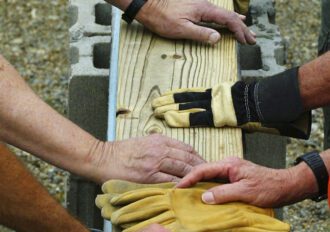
pixel 136 195
pixel 252 209
pixel 101 200
pixel 192 107
pixel 162 219
pixel 181 97
pixel 188 119
pixel 107 211
pixel 141 210
pixel 265 222
pixel 121 186
pixel 182 90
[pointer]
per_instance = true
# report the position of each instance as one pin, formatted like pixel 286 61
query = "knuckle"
pixel 189 158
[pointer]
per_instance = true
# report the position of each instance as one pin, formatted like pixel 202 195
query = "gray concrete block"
pixel 88 108
pixel 268 56
pixel 92 16
pixel 90 56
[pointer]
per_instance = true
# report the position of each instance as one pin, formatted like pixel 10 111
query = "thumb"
pixel 223 194
pixel 200 33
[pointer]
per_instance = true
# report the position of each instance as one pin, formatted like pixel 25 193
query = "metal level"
pixel 113 83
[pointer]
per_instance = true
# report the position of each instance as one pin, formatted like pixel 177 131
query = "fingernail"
pixel 213 38
pixel 208 198
pixel 253 33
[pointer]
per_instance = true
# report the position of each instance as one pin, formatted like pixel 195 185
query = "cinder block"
pixel 92 16
pixel 268 56
pixel 90 56
pixel 88 108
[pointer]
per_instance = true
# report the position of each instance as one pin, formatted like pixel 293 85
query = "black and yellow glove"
pixel 134 206
pixel 272 105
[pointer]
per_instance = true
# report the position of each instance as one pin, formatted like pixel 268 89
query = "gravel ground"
pixel 34 37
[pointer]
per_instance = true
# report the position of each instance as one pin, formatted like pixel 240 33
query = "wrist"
pixel 99 159
pixel 303 184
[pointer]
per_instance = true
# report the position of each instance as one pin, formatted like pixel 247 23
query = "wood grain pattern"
pixel 150 65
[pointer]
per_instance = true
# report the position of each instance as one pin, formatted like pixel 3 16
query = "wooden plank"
pixel 150 65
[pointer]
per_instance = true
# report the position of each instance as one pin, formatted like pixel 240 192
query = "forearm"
pixel 29 123
pixel 314 81
pixel 25 204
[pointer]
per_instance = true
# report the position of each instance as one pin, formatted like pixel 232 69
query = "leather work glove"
pixel 180 210
pixel 272 105
pixel 241 6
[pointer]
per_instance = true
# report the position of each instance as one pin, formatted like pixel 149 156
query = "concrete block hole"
pixel 103 14
pixel 101 55
pixel 74 55
pixel 280 56
pixel 73 15
pixel 250 57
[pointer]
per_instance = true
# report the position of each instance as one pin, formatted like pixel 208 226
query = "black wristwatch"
pixel 315 162
pixel 132 10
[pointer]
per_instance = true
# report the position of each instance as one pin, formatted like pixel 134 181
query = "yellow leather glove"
pixel 272 105
pixel 241 6
pixel 180 210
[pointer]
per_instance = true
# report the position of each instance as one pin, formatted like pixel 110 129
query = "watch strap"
pixel 132 10
pixel 315 162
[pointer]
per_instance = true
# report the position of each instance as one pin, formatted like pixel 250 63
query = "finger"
pixel 225 193
pixel 232 20
pixel 191 155
pixel 204 172
pixel 253 33
pixel 186 157
pixel 161 177
pixel 242 17
pixel 175 167
pixel 200 33
pixel 180 145
pixel 240 35
pixel 250 36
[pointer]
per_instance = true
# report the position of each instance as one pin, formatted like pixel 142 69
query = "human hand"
pixel 151 159
pixel 154 228
pixel 254 184
pixel 177 19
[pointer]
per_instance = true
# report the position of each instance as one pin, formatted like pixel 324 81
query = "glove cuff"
pixel 278 98
pixel 274 102
pixel 244 102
